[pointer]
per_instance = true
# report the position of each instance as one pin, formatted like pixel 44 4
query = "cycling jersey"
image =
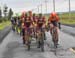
pixel 40 22
pixel 34 18
pixel 53 19
pixel 27 22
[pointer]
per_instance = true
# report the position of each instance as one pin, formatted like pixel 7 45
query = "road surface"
pixel 68 30
pixel 12 47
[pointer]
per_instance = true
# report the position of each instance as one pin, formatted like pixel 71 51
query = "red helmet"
pixel 53 14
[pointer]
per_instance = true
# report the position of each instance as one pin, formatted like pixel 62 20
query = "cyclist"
pixel 34 25
pixel 53 22
pixel 41 21
pixel 13 23
pixel 28 27
pixel 23 17
pixel 18 24
pixel 33 18
pixel 40 24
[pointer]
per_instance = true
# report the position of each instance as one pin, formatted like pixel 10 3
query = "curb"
pixel 68 32
pixel 73 25
pixel 4 33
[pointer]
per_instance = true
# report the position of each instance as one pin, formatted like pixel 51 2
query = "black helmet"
pixel 40 15
pixel 26 14
pixel 34 14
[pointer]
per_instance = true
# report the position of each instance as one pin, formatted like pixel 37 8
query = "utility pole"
pixel 38 9
pixel 41 8
pixel 54 5
pixel 69 9
pixel 46 5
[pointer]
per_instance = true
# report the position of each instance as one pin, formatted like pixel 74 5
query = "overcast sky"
pixel 25 5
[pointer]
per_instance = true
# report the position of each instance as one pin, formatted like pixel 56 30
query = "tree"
pixel 5 11
pixel 0 15
pixel 10 13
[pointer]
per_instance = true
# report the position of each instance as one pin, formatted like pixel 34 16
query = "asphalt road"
pixel 68 30
pixel 12 47
pixel 4 33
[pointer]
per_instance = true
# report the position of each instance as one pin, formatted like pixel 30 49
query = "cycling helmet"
pixel 53 14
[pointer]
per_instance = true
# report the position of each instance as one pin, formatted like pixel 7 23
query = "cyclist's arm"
pixel 49 20
pixel 57 19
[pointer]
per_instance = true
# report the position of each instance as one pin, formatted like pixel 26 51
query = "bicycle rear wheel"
pixel 42 42
pixel 55 40
pixel 28 45
pixel 28 41
pixel 42 46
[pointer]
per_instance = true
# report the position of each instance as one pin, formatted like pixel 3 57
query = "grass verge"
pixel 4 24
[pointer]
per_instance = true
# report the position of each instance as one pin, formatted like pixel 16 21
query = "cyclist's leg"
pixel 31 30
pixel 28 33
pixel 43 30
pixel 41 37
pixel 38 37
pixel 56 35
pixel 20 30
pixel 51 28
pixel 23 36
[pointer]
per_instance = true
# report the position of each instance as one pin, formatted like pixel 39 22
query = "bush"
pixel 0 20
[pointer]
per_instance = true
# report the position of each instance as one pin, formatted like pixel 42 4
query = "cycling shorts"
pixel 54 23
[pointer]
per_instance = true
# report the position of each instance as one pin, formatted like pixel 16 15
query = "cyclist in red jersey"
pixel 23 16
pixel 40 27
pixel 41 22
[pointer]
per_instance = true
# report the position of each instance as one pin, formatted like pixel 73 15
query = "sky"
pixel 26 5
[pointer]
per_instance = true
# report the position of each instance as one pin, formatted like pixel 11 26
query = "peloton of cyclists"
pixel 31 20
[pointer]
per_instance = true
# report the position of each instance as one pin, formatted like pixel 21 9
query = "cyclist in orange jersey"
pixel 53 21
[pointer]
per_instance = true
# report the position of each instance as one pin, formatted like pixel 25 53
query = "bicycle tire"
pixel 42 41
pixel 28 46
pixel 28 41
pixel 42 47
